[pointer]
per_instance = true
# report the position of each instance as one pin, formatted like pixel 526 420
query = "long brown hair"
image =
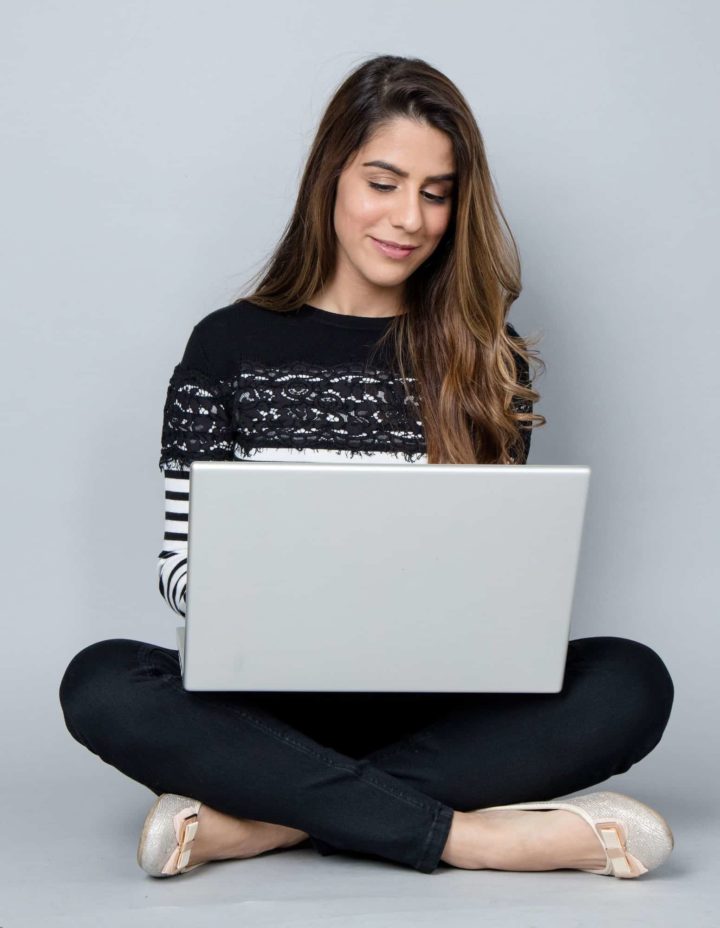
pixel 473 390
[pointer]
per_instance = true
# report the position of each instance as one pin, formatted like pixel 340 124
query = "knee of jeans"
pixel 87 687
pixel 643 683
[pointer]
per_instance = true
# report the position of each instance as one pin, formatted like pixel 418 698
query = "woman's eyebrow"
pixel 395 170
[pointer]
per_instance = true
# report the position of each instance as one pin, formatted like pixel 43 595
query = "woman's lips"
pixel 391 251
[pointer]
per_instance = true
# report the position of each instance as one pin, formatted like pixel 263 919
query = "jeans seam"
pixel 176 682
pixel 432 831
pixel 426 842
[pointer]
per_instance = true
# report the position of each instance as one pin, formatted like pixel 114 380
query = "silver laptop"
pixel 380 577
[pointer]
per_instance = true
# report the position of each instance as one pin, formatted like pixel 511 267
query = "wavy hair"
pixel 472 391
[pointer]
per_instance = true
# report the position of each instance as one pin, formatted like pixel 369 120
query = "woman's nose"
pixel 407 214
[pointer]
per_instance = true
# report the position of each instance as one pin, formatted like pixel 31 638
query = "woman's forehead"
pixel 415 149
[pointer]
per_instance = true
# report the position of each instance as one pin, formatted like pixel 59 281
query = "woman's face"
pixel 396 200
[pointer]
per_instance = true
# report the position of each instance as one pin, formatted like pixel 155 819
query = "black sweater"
pixel 298 385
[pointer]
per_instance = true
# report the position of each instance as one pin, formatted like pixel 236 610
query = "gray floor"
pixel 69 860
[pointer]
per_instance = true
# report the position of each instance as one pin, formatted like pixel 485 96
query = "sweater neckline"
pixel 342 320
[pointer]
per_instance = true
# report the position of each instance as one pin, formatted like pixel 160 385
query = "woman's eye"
pixel 385 187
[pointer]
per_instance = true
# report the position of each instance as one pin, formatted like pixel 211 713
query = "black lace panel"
pixel 347 407
pixel 196 420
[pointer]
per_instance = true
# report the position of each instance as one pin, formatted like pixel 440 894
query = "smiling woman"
pixel 397 216
pixel 404 213
pixel 378 330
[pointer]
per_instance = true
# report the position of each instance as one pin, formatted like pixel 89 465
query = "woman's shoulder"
pixel 225 321
pixel 219 338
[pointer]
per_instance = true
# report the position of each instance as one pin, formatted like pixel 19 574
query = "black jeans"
pixel 374 774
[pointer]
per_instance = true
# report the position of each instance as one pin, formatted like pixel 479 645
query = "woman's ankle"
pixel 464 845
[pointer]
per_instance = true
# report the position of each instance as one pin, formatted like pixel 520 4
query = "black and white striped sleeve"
pixel 197 426
pixel 172 560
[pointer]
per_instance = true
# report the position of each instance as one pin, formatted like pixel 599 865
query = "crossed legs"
pixel 395 776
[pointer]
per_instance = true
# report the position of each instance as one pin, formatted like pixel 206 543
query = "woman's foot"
pixel 523 840
pixel 222 837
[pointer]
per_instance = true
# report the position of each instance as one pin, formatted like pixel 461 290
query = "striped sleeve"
pixel 172 560
pixel 196 426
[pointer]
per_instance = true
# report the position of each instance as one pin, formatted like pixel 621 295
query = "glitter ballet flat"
pixel 635 838
pixel 167 836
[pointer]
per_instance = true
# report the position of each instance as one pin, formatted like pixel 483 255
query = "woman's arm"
pixel 172 560
pixel 196 427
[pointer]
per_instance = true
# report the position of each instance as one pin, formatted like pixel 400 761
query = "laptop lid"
pixel 359 576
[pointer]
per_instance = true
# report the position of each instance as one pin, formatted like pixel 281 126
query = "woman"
pixel 378 331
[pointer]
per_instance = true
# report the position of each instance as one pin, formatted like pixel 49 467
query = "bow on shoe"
pixel 621 862
pixel 185 824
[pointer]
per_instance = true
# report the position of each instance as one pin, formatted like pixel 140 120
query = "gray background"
pixel 150 157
